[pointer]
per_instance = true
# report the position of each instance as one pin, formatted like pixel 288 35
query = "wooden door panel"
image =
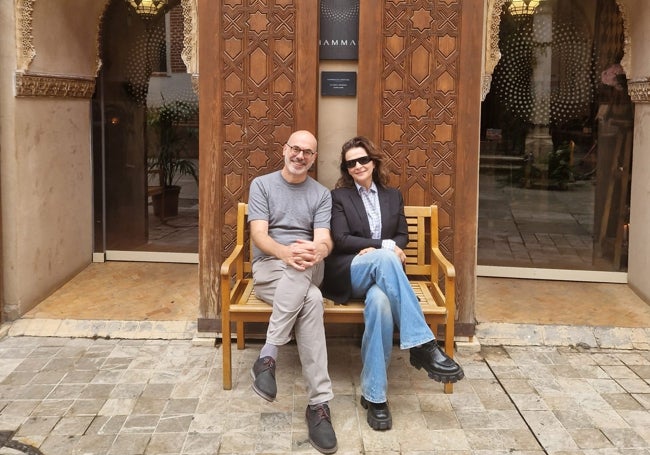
pixel 410 87
pixel 258 83
pixel 409 61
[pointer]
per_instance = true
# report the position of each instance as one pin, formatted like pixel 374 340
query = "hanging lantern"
pixel 148 9
pixel 520 7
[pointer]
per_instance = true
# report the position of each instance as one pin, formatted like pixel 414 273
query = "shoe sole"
pixel 322 450
pixel 439 377
pixel 266 396
pixel 378 425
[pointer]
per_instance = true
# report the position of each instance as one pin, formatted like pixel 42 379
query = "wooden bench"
pixel 425 265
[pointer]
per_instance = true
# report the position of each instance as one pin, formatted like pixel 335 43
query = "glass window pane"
pixel 556 140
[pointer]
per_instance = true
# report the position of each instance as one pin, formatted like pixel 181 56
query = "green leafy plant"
pixel 559 165
pixel 173 132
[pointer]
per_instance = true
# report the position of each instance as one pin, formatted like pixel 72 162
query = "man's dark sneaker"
pixel 263 373
pixel 378 415
pixel 436 362
pixel 321 432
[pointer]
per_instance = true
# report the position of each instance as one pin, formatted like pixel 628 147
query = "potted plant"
pixel 173 132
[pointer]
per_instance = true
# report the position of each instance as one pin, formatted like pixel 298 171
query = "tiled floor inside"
pixel 178 233
pixel 521 227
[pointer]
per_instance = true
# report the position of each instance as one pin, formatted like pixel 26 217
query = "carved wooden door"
pixel 258 73
pixel 422 109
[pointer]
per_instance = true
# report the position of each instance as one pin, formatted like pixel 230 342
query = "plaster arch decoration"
pixel 54 84
pixel 493 54
pixel 25 51
pixel 191 41
pixel 39 72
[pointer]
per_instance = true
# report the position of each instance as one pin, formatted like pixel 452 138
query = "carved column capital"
pixel 639 90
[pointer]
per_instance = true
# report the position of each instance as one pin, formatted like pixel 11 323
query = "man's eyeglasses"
pixel 361 160
pixel 295 151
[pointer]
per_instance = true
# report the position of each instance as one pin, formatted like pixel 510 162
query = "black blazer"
pixel 351 233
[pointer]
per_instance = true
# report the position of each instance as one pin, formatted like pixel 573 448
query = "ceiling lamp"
pixel 519 7
pixel 148 8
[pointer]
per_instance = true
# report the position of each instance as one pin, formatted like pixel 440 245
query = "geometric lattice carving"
pixel 258 61
pixel 420 102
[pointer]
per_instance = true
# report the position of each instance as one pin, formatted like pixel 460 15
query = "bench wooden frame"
pixel 425 266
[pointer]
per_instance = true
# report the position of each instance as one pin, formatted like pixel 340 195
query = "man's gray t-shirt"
pixel 293 210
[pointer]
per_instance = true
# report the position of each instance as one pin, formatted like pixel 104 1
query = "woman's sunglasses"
pixel 361 160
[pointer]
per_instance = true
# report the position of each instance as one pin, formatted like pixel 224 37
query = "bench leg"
pixel 449 349
pixel 227 356
pixel 241 343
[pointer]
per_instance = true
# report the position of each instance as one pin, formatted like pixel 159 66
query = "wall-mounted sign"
pixel 339 29
pixel 338 83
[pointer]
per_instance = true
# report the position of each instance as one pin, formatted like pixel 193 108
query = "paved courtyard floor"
pixel 62 396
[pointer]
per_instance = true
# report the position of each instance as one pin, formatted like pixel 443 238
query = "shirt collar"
pixel 372 189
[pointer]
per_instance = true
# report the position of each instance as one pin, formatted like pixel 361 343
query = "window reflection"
pixel 556 139
pixel 146 148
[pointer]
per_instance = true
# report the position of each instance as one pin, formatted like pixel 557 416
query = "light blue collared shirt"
pixel 370 199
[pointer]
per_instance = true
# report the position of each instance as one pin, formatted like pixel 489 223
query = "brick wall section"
pixel 176 39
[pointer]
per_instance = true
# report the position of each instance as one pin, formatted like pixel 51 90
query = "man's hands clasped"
pixel 302 254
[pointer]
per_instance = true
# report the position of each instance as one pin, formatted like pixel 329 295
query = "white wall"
pixel 45 154
pixel 47 200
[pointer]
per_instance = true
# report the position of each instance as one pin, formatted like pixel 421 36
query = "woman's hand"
pixel 366 250
pixel 400 254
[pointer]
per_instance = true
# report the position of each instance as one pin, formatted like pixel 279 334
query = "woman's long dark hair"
pixel 379 173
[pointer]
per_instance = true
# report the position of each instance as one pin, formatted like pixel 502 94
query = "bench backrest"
pixel 423 235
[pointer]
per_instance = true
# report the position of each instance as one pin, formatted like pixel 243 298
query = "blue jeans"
pixel 389 301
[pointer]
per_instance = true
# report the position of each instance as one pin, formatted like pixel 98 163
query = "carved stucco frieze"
pixel 492 52
pixel 190 36
pixel 639 90
pixel 493 55
pixel 54 86
pixel 25 51
pixel 98 41
pixel 627 45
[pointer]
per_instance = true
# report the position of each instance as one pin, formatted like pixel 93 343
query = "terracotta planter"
pixel 165 204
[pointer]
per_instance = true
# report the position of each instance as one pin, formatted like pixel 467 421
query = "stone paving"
pixel 106 396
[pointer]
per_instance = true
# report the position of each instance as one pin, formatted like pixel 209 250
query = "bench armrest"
pixel 447 267
pixel 440 263
pixel 234 262
pixel 235 257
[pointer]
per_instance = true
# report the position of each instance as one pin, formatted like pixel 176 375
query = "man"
pixel 289 215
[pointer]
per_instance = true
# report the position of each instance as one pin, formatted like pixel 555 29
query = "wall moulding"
pixel 38 85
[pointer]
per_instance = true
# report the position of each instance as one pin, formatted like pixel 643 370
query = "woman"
pixel 369 231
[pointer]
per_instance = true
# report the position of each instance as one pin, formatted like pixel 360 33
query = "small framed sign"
pixel 338 83
pixel 339 30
